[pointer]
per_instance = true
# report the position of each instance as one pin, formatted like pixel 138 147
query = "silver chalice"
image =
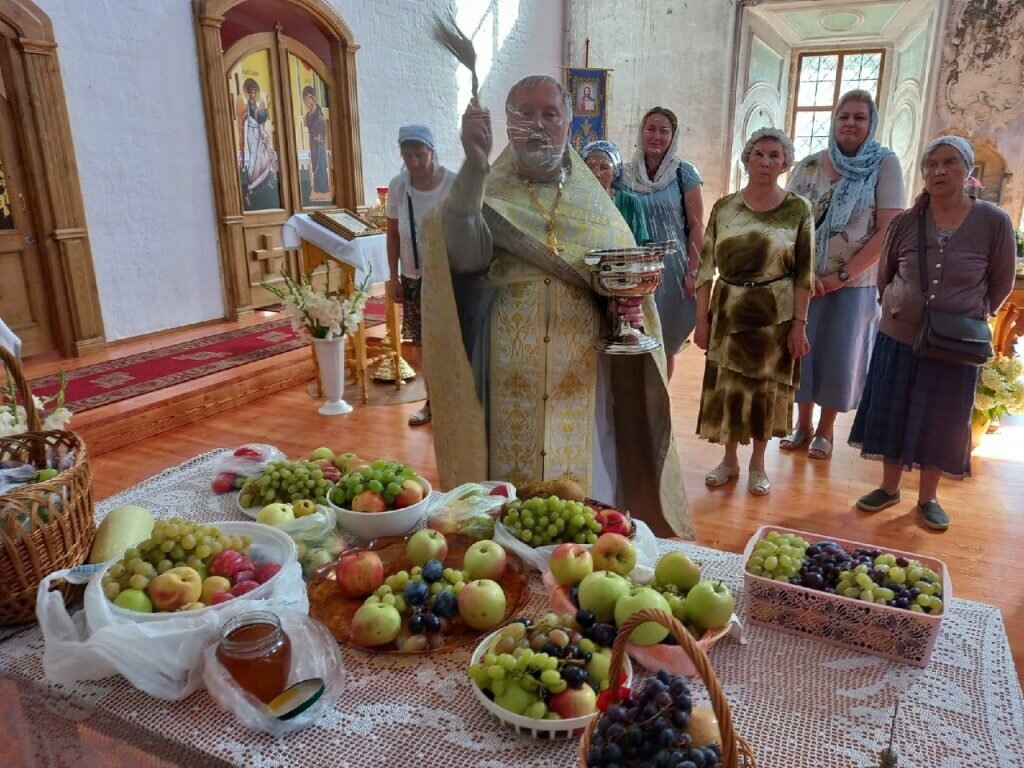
pixel 627 273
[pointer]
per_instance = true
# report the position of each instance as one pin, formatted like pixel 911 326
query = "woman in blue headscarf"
pixel 856 188
pixel 604 160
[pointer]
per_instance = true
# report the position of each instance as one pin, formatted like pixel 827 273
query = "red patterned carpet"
pixel 114 380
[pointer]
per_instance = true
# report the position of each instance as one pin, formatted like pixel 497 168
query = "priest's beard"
pixel 538 156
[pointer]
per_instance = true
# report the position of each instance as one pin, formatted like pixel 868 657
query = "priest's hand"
pixel 631 309
pixel 476 136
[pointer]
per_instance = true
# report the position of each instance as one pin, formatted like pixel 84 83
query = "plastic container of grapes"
pixel 567 728
pixel 881 630
pixel 368 526
pixel 268 545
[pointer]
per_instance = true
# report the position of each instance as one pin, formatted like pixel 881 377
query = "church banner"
pixel 589 103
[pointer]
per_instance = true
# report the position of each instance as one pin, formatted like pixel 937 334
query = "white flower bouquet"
pixel 1000 389
pixel 52 411
pixel 320 314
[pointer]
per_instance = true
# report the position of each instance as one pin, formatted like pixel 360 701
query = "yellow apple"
pixel 303 507
pixel 276 514
pixel 174 588
pixel 213 585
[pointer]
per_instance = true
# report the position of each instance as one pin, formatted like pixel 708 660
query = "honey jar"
pixel 255 649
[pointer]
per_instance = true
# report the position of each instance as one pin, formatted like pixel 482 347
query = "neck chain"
pixel 551 217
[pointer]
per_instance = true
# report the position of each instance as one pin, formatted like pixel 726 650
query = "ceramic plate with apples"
pixel 597 579
pixel 420 593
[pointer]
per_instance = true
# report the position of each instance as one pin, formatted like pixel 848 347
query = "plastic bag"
pixel 247 460
pixel 469 509
pixel 317 538
pixel 314 654
pixel 162 657
pixel 539 557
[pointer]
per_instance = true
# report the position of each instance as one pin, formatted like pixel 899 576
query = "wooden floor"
pixel 980 548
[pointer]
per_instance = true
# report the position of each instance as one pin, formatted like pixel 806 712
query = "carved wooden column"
pixel 349 167
pixel 224 170
pixel 64 239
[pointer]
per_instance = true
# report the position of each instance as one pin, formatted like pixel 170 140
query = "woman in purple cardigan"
pixel 915 411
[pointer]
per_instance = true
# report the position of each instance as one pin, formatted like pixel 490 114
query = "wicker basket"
pixel 47 526
pixel 736 753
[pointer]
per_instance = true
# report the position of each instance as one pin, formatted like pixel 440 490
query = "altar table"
pixel 800 703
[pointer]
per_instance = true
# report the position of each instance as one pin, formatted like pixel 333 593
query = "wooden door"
pixel 23 284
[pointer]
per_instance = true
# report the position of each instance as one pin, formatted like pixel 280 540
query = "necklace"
pixel 549 218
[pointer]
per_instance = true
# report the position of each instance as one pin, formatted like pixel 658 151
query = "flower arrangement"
pixel 1020 243
pixel 320 314
pixel 1000 389
pixel 13 419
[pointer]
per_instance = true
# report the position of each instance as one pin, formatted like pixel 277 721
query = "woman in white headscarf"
pixel 856 188
pixel 670 191
pixel 916 411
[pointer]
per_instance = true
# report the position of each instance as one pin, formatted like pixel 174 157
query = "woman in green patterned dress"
pixel 760 241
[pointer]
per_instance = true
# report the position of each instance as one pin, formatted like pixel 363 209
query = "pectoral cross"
pixel 553 245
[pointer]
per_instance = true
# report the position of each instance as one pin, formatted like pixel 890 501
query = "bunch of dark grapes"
pixel 649 728
pixel 822 565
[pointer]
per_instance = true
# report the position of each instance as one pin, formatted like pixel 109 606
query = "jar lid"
pixel 297 699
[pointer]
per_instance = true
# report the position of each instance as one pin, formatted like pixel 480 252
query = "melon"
pixel 122 528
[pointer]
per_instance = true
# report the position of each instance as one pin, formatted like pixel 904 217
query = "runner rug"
pixel 115 380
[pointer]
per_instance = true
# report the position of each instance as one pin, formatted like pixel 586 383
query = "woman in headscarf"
pixel 760 242
pixel 916 411
pixel 669 190
pixel 856 188
pixel 604 161
pixel 412 194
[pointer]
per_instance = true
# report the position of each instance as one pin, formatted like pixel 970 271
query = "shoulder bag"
pixel 947 336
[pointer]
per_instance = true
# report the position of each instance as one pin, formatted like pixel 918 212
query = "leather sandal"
pixel 820 448
pixel 795 440
pixel 758 483
pixel 720 475
pixel 421 417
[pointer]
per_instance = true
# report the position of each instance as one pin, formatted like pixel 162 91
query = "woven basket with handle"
pixel 736 753
pixel 46 526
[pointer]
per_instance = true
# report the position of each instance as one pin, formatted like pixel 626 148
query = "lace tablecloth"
pixel 798 702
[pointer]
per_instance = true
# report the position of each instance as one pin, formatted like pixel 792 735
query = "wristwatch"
pixel 843 275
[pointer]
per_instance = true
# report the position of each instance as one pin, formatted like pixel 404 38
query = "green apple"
pixel 276 514
pixel 485 560
pixel 614 552
pixel 677 568
pixel 515 698
pixel 426 544
pixel 600 591
pixel 650 632
pixel 135 600
pixel 303 507
pixel 482 604
pixel 322 453
pixel 709 605
pixel 599 668
pixel 375 624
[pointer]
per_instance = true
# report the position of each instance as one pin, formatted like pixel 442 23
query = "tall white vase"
pixel 330 358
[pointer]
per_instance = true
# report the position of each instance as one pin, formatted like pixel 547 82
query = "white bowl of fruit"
pixel 543 678
pixel 382 498
pixel 284 482
pixel 187 566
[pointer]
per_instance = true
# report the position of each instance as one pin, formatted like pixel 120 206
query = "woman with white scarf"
pixel 856 188
pixel 670 192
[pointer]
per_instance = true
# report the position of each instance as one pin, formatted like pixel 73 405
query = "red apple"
pixel 244 588
pixel 239 576
pixel 499 490
pixel 224 482
pixel 613 521
pixel 221 597
pixel 226 562
pixel 571 563
pixel 482 604
pixel 359 574
pixel 175 588
pixel 573 702
pixel 614 552
pixel 369 501
pixel 412 493
pixel 266 571
pixel 485 559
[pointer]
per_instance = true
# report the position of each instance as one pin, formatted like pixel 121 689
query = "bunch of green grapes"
pixel 285 481
pixel 173 543
pixel 778 556
pixel 538 522
pixel 383 476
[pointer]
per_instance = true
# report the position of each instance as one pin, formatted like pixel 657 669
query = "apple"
pixel 573 702
pixel 322 453
pixel 499 490
pixel 482 604
pixel 516 699
pixel 246 575
pixel 703 727
pixel 599 668
pixel 412 493
pixel 424 545
pixel 221 597
pixel 266 571
pixel 375 624
pixel 344 460
pixel 677 568
pixel 614 552
pixel 600 591
pixel 174 588
pixel 213 585
pixel 359 574
pixel 650 632
pixel 303 507
pixel 275 514
pixel 485 560
pixel 134 600
pixel 224 482
pixel 709 605
pixel 331 472
pixel 244 587
pixel 613 521
pixel 369 501
pixel 227 561
pixel 571 563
